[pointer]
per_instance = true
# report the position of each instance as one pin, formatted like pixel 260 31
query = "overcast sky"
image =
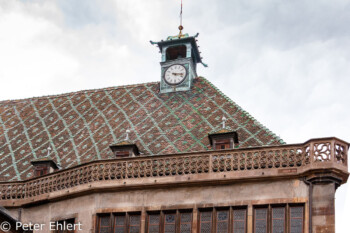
pixel 285 62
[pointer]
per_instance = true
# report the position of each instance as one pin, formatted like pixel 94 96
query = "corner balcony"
pixel 314 157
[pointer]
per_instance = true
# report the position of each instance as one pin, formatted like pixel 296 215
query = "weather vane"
pixel 181 27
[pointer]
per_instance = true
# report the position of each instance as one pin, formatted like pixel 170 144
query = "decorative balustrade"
pixel 326 151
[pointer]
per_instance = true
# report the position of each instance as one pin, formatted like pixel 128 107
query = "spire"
pixel 181 27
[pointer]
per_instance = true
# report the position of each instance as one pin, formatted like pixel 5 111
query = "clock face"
pixel 175 74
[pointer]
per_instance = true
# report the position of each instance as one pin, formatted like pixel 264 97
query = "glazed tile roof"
pixel 80 126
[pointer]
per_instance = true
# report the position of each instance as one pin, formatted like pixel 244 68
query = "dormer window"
pixel 43 166
pixel 176 52
pixel 223 139
pixel 222 144
pixel 41 170
pixel 125 148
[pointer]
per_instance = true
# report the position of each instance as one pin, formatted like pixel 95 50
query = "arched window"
pixel 176 52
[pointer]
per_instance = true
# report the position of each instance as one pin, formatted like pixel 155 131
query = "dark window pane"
pixel 120 224
pixel 153 229
pixel 185 222
pixel 169 223
pixel 206 227
pixel 134 229
pixel 169 228
pixel 104 230
pixel 222 221
pixel 206 216
pixel 239 220
pixel 134 224
pixel 104 221
pixel 119 230
pixel 296 212
pixel 153 223
pixel 205 222
pixel 261 220
pixel 104 224
pixel 170 218
pixel 296 219
pixel 278 218
pixel 120 220
pixel 186 228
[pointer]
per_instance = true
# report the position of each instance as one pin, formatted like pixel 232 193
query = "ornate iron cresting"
pixel 326 152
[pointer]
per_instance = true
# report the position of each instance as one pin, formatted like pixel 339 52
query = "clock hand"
pixel 177 74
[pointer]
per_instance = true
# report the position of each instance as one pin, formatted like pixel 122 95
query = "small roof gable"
pixel 80 126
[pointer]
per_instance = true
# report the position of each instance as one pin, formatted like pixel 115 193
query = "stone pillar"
pixel 323 213
pixel 322 187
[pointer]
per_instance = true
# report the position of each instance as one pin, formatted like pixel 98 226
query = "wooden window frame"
pixel 290 216
pixel 179 218
pixel 177 227
pixel 287 216
pixel 99 218
pixel 284 218
pixel 224 142
pixel 232 220
pixel 267 217
pixel 148 220
pixel 41 170
pixel 213 212
pixel 214 220
pixel 122 153
pixel 112 220
pixel 162 222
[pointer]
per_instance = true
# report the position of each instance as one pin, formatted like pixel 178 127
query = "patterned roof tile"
pixel 80 126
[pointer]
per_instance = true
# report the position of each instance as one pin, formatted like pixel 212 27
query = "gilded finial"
pixel 181 28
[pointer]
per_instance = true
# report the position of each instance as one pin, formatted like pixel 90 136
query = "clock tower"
pixel 180 56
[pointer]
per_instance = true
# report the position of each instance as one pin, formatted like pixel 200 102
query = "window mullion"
pixel 111 222
pixel 162 222
pixel 287 217
pixel 213 226
pixel 269 219
pixel 127 216
pixel 230 219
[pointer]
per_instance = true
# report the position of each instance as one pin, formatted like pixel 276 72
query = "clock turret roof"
pixel 183 39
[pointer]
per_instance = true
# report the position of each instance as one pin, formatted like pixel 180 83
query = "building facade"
pixel 172 156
